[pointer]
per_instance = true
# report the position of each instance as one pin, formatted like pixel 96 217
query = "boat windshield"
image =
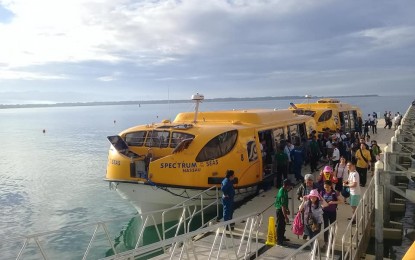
pixel 121 146
pixel 304 112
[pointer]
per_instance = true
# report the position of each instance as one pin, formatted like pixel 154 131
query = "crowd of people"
pixel 348 159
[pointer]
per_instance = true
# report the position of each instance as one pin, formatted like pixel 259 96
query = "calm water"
pixel 52 180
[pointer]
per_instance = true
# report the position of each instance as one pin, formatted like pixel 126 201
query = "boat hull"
pixel 148 198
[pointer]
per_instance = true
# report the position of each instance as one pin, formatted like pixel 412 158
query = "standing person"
pixel 348 147
pixel 363 163
pixel 386 117
pixel 375 125
pixel 228 195
pixel 329 148
pixel 375 152
pixel 305 188
pixel 336 155
pixel 341 172
pixel 313 212
pixel 281 159
pixel 360 124
pixel 281 205
pixel 366 128
pixel 330 211
pixel 353 182
pixel 297 156
pixel 390 120
pixel 314 154
pixel 326 175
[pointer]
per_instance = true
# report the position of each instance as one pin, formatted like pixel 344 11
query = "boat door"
pixel 266 147
pixel 355 120
pixel 343 121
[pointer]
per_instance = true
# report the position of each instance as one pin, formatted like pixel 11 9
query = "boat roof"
pixel 245 116
pixel 324 104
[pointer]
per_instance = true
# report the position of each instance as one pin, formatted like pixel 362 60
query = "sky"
pixel 122 50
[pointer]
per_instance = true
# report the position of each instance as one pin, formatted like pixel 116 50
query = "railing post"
pixel 379 209
pixel 387 180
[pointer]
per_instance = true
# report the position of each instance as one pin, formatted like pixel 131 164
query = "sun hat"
pixel 327 169
pixel 309 177
pixel 313 193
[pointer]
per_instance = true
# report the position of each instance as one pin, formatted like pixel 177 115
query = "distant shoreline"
pixel 117 103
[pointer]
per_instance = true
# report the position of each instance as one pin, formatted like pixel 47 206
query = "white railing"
pixel 48 245
pixel 226 244
pixel 316 252
pixel 189 211
pixel 354 234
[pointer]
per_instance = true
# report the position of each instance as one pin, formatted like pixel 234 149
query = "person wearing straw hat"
pixel 305 188
pixel 313 212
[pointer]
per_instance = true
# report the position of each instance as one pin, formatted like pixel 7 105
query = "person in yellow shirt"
pixel 363 158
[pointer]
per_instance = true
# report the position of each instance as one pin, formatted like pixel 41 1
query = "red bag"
pixel 297 225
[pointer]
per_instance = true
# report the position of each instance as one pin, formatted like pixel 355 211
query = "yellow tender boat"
pixel 331 113
pixel 159 165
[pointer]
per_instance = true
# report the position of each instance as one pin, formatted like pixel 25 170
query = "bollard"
pixel 271 232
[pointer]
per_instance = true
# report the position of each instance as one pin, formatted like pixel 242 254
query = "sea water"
pixel 53 179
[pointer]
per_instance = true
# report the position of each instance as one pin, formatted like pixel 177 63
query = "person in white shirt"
pixel 341 172
pixel 335 158
pixel 353 182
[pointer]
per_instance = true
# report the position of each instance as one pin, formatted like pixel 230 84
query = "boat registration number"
pixel 115 162
pixel 212 162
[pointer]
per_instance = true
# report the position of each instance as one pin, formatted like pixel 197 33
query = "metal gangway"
pixel 195 218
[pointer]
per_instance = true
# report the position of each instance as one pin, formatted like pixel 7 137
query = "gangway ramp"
pixel 218 243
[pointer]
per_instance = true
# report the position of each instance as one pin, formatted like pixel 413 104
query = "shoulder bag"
pixel 364 158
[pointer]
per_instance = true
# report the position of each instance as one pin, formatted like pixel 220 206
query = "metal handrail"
pixel 147 219
pixel 363 215
pixel 221 241
pixel 316 253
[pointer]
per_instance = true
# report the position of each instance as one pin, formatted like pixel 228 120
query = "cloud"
pixel 259 47
pixel 22 75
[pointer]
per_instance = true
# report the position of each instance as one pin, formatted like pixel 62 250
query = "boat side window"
pixel 325 116
pixel 294 134
pixel 177 137
pixel 218 146
pixel 135 138
pixel 279 135
pixel 158 139
pixel 304 112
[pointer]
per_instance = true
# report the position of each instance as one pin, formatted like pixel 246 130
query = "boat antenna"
pixel 198 98
pixel 308 99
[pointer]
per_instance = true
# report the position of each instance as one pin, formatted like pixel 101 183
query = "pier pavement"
pixel 264 203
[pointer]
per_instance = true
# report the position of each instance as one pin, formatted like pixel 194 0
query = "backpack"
pixel 297 225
